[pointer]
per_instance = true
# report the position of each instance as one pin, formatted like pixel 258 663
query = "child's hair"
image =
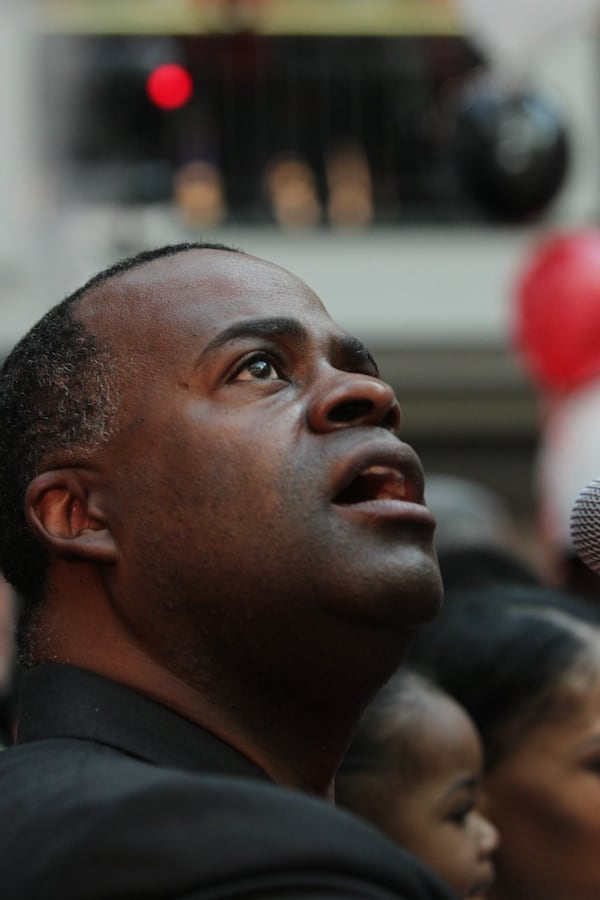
pixel 506 653
pixel 382 746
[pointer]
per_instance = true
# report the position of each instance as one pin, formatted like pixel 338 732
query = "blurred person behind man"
pixel 524 661
pixel 414 769
pixel 476 538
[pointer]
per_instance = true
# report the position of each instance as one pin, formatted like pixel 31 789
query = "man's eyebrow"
pixel 351 354
pixel 273 326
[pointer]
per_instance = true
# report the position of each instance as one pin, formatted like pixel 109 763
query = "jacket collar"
pixel 62 701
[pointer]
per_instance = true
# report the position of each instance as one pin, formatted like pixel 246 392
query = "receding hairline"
pixel 102 285
pixel 129 283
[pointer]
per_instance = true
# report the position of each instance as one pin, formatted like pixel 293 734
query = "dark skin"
pixel 251 547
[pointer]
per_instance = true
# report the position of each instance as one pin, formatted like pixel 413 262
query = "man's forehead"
pixel 202 289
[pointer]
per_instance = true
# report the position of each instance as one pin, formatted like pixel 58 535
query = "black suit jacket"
pixel 110 796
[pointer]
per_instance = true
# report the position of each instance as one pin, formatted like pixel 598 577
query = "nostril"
pixel 350 411
pixel 391 419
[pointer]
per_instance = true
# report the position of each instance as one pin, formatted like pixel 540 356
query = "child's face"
pixel 545 799
pixel 435 817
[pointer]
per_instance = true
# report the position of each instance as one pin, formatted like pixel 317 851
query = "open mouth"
pixel 376 483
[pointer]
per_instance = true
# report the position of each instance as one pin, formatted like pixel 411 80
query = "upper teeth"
pixel 383 470
pixel 394 486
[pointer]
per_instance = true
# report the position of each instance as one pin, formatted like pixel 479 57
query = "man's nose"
pixel 349 399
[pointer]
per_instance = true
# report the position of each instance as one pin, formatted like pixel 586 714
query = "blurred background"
pixel 407 158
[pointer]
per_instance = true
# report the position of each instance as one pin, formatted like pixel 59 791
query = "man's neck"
pixel 296 747
pixel 294 721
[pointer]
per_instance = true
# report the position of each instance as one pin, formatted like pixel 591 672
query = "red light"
pixel 170 86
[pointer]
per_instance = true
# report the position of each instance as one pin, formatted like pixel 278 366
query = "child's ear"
pixel 63 513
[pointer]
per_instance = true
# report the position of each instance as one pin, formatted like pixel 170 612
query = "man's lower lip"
pixel 400 510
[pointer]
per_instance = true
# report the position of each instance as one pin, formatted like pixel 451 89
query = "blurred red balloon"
pixel 170 86
pixel 556 324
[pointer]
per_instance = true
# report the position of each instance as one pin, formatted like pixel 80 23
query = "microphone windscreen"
pixel 585 525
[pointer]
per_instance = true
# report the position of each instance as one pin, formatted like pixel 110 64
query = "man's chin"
pixel 403 609
pixel 410 595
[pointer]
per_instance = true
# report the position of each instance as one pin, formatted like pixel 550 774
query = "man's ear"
pixel 62 512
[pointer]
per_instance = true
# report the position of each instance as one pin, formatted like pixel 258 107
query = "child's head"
pixel 525 663
pixel 413 770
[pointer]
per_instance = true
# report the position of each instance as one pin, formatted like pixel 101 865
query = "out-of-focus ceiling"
pixel 272 17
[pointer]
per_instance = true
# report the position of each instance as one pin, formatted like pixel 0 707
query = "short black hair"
pixel 504 653
pixel 58 391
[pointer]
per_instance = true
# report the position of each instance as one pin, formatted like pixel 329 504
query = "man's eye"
pixel 258 368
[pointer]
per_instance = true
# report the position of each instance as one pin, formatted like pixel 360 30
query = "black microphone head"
pixel 585 525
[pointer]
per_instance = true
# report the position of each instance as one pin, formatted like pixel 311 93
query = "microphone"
pixel 585 525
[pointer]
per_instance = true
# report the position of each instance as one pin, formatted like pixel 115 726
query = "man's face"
pixel 256 479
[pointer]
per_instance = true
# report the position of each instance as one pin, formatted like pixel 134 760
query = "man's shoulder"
pixel 86 818
pixel 59 775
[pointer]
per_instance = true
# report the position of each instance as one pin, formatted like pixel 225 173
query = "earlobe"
pixel 60 511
